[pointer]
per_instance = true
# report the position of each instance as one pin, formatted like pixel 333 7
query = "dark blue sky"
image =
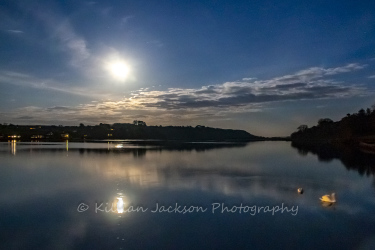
pixel 262 66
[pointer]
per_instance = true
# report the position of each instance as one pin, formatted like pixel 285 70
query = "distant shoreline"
pixel 138 130
pixel 151 141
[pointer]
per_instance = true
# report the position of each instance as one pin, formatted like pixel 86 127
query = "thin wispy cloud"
pixel 53 27
pixel 249 78
pixel 15 31
pixel 72 43
pixel 60 29
pixel 90 2
pixel 26 80
pixel 125 20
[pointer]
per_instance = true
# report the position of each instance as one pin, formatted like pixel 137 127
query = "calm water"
pixel 42 187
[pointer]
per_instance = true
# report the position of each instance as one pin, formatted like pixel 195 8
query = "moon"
pixel 119 70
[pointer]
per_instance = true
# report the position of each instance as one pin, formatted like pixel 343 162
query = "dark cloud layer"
pixel 312 83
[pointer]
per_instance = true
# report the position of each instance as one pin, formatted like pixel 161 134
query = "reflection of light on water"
pixel 67 145
pixel 119 146
pixel 120 205
pixel 14 148
pixel 328 204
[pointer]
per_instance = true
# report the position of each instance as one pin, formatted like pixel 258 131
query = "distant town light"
pixel 14 136
pixel 65 136
pixel 37 136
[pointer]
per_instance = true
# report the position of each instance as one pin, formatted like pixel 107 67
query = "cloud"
pixel 25 117
pixel 55 30
pixel 15 31
pixel 26 80
pixel 72 43
pixel 104 111
pixel 90 2
pixel 371 77
pixel 311 83
pixel 249 79
pixel 60 29
pixel 347 68
pixel 187 105
pixel 125 19
pixel 319 72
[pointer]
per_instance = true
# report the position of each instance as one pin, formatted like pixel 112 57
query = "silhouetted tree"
pixel 361 112
pixel 81 125
pixel 351 129
pixel 139 123
pixel 302 128
pixel 324 121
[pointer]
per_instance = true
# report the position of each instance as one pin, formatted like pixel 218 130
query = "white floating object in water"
pixel 328 198
pixel 300 190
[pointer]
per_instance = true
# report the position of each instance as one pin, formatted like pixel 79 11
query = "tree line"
pixel 355 127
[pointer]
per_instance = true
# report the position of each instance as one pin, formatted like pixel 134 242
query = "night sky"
pixel 262 66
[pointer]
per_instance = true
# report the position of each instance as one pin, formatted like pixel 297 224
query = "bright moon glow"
pixel 119 70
